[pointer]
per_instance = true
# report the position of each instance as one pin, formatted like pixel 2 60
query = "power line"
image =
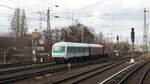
pixel 2 5
pixel 91 5
pixel 8 1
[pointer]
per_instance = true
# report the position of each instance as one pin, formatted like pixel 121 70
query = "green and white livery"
pixel 67 50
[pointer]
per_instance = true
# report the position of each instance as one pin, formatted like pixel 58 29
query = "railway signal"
pixel 117 45
pixel 35 36
pixel 117 37
pixel 132 39
pixel 132 35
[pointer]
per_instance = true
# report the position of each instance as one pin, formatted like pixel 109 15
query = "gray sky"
pixel 116 16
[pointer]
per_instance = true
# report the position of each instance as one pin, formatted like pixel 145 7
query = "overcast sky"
pixel 116 16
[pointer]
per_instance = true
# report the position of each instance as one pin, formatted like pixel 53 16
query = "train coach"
pixel 66 51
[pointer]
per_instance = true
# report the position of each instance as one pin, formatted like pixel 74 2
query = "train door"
pixel 69 52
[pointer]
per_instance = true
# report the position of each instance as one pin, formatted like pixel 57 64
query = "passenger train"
pixel 66 51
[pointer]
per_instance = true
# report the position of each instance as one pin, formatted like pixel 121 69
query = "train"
pixel 68 51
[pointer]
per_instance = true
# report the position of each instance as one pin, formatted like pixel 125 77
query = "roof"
pixel 76 44
pixel 71 44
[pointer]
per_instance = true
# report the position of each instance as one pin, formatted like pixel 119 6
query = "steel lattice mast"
pixel 145 33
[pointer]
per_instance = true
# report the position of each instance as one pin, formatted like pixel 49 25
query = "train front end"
pixel 59 52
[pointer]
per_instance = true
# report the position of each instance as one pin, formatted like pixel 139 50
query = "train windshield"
pixel 59 48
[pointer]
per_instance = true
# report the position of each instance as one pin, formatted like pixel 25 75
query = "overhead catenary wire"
pixel 90 5
pixel 53 12
pixel 5 6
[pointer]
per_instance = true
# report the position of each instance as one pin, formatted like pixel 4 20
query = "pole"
pixel 48 19
pixel 117 45
pixel 48 25
pixel 147 37
pixel 72 15
pixel 111 38
pixel 4 56
pixel 36 53
pixel 145 33
pixel 132 50
pixel 35 36
pixel 40 21
pixel 82 35
pixel 33 52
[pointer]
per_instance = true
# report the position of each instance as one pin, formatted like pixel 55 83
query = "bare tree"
pixel 18 23
pixel 19 27
pixel 77 33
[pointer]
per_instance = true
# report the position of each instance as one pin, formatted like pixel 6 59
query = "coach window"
pixel 76 49
pixel 86 49
pixel 73 50
pixel 80 50
pixel 70 49
pixel 59 48
pixel 83 49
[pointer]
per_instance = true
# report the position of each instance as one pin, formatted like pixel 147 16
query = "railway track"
pixel 15 75
pixel 26 74
pixel 130 75
pixel 21 69
pixel 22 64
pixel 143 78
pixel 16 67
pixel 35 72
pixel 29 67
pixel 134 71
pixel 77 78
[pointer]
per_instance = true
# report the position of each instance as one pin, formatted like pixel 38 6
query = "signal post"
pixel 132 40
pixel 35 36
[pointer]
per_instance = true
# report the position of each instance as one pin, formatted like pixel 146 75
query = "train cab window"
pixel 59 48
